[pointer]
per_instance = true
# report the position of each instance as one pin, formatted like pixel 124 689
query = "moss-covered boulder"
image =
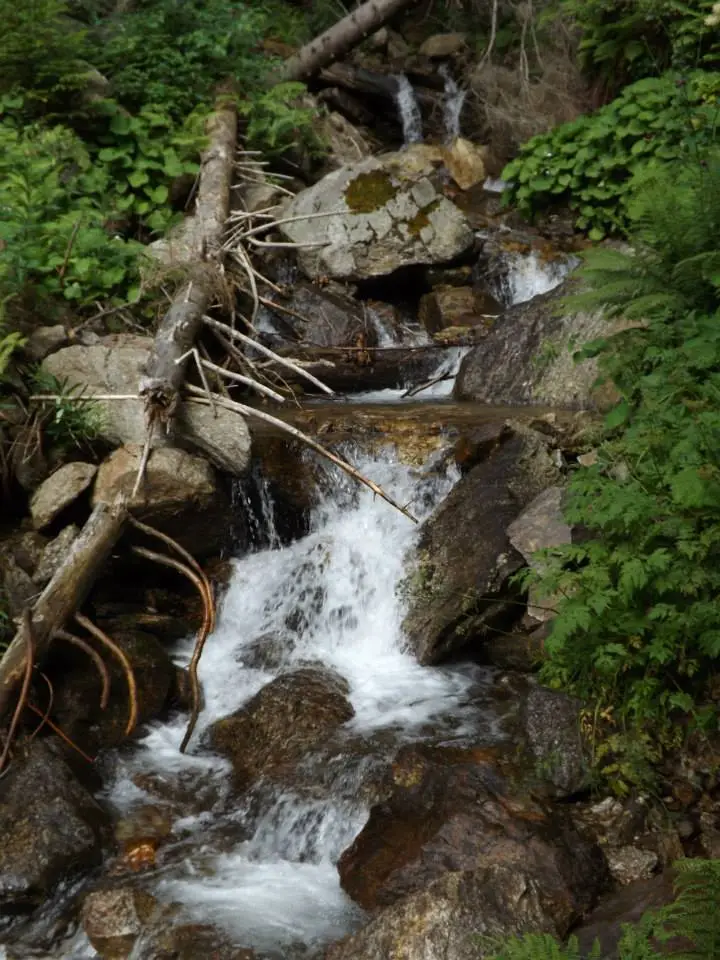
pixel 391 214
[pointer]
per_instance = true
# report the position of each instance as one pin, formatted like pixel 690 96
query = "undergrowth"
pixel 637 633
pixel 687 929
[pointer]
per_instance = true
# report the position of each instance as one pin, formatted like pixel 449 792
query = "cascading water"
pixel 263 866
pixel 408 111
pixel 452 104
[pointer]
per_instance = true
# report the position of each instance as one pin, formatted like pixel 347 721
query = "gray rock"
pixel 329 318
pixel 44 341
pixel 390 215
pixel 527 358
pixel 54 554
pixel 551 724
pixel 539 526
pixel 458 588
pixel 179 494
pixel 113 366
pixel 18 588
pixel 628 864
pixel 51 827
pixel 60 490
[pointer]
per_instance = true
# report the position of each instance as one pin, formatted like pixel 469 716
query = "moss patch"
pixel 370 191
pixel 422 219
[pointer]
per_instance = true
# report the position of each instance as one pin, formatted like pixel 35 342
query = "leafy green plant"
pixel 627 40
pixel 53 241
pixel 589 163
pixel 174 52
pixel 691 922
pixel 70 419
pixel 638 629
pixel 140 156
pixel 43 53
pixel 276 122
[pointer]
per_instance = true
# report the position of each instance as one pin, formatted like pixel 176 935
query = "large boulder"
pixel 51 828
pixel 447 919
pixel 527 357
pixel 455 815
pixel 60 490
pixel 180 494
pixel 390 214
pixel 457 591
pixel 288 717
pixel 113 366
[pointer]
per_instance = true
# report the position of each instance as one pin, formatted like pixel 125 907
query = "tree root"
pixel 96 659
pixel 27 634
pixel 126 665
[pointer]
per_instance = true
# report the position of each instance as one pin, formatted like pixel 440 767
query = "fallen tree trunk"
pixel 64 594
pixel 341 37
pixel 197 246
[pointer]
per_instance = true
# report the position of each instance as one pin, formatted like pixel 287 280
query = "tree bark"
pixel 340 38
pixel 197 245
pixel 64 594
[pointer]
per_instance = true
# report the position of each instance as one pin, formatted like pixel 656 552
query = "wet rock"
pixel 51 828
pixel 180 495
pixel 329 318
pixel 193 941
pixel 474 446
pixel 624 906
pixel 282 722
pixel 527 358
pixel 60 490
pixel 44 341
pixel 114 919
pixel 465 162
pixel 391 216
pixel 551 724
pixel 458 588
pixel 113 366
pixel 78 687
pixel 54 554
pixel 443 45
pixel 458 818
pixel 451 306
pixel 267 652
pixel 446 918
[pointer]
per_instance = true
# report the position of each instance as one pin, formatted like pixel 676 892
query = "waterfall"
pixel 452 105
pixel 527 275
pixel 408 110
pixel 263 866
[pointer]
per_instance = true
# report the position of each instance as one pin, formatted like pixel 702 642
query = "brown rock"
pixel 466 163
pixel 194 941
pixel 283 721
pixel 551 726
pixel 78 687
pixel 54 554
pixel 443 45
pixel 60 490
pixel 456 307
pixel 114 919
pixel 458 818
pixel 478 444
pixel 45 340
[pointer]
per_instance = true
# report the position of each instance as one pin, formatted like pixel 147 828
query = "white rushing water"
pixel 452 105
pixel 269 877
pixel 408 111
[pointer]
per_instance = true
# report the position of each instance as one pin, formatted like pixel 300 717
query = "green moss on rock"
pixel 370 191
pixel 422 219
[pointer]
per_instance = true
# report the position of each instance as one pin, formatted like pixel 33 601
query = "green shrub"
pixel 589 163
pixel 43 53
pixel 70 420
pixel 275 123
pixel 52 236
pixel 638 629
pixel 627 40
